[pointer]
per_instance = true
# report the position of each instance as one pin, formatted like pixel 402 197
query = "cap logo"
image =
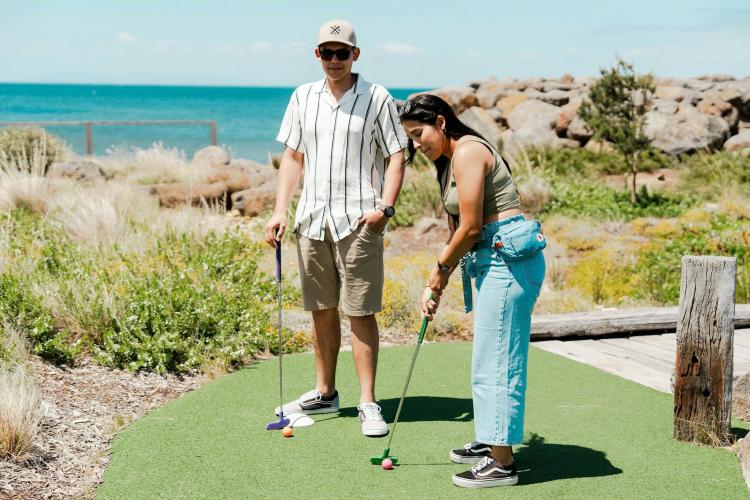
pixel 335 30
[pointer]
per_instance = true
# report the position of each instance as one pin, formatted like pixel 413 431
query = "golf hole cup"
pixel 387 464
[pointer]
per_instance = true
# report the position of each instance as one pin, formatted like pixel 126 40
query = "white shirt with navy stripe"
pixel 345 147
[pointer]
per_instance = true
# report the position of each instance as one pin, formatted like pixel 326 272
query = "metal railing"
pixel 89 127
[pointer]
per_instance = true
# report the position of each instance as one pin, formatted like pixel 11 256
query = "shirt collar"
pixel 360 85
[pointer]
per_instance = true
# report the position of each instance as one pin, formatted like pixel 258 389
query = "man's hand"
pixel 375 221
pixel 275 229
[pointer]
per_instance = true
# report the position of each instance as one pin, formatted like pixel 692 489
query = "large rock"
pixel 490 92
pixel 568 113
pixel 675 93
pixel 212 156
pixel 739 141
pixel 482 121
pixel 177 194
pixel 665 106
pixel 459 98
pixel 579 130
pixel 255 201
pixel 82 171
pixel 555 97
pixel 722 109
pixel 533 114
pixel 686 131
pixel 742 101
pixel 242 174
pixel 515 141
pixel 506 105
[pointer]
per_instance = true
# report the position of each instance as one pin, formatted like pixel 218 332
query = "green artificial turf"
pixel 588 435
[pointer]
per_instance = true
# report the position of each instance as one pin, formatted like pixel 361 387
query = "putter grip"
pixel 278 261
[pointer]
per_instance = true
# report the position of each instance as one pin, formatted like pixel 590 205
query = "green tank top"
pixel 500 192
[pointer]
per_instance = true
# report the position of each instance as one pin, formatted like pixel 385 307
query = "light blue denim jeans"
pixel 505 296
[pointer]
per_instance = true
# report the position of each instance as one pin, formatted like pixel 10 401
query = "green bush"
pixel 659 265
pixel 418 198
pixel 30 148
pixel 22 310
pixel 712 175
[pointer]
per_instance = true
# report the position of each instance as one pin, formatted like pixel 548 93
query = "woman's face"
pixel 428 139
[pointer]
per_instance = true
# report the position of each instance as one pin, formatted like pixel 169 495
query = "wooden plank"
pixel 584 352
pixel 617 322
pixel 641 354
pixel 659 353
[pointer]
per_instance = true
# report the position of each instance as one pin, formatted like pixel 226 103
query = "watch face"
pixel 389 211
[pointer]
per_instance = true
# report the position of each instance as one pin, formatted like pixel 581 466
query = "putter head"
pixel 379 460
pixel 275 426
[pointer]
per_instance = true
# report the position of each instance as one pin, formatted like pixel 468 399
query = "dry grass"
pixel 155 165
pixel 20 413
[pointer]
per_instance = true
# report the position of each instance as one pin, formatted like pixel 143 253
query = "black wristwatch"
pixel 389 211
pixel 442 268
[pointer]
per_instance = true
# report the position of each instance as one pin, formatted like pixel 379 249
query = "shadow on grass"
pixel 422 409
pixel 739 432
pixel 540 462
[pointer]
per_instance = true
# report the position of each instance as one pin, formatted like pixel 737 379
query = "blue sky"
pixel 404 44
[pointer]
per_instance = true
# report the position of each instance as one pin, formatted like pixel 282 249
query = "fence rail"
pixel 89 127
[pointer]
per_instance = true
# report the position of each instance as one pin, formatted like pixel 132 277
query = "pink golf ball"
pixel 387 464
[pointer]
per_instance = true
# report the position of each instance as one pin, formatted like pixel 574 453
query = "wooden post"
pixel 705 334
pixel 89 138
pixel 213 133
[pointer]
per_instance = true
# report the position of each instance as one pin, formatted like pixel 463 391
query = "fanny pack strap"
pixel 466 282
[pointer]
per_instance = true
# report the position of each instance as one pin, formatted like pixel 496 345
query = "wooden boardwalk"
pixel 646 359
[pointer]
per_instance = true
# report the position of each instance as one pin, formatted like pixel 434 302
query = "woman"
pixel 503 252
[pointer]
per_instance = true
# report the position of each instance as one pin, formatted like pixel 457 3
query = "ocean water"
pixel 247 118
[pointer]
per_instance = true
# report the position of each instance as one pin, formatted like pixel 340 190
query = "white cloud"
pixel 401 49
pixel 261 46
pixel 123 37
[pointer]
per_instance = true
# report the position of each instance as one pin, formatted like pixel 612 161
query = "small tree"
pixel 615 112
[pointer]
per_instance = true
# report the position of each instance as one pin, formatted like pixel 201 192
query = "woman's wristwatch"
pixel 442 268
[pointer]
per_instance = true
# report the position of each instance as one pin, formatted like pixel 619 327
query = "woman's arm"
pixel 470 165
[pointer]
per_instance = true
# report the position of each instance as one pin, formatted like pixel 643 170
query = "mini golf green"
pixel 588 435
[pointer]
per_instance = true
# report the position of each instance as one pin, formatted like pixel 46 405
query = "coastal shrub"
pixel 603 276
pixel 420 197
pixel 23 310
pixel 721 234
pixel 30 149
pixel 710 176
pixel 20 412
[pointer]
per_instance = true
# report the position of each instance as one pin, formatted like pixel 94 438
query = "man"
pixel 345 134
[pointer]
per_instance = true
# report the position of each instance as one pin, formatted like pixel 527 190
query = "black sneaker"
pixel 486 474
pixel 312 403
pixel 471 453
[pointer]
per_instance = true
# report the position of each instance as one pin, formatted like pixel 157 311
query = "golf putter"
pixel 379 459
pixel 282 422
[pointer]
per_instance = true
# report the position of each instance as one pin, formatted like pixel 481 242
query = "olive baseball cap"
pixel 337 30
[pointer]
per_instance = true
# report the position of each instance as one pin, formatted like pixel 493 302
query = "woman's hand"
pixel 438 281
pixel 429 303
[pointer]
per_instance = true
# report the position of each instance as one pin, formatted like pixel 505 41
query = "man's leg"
pixel 326 337
pixel 365 342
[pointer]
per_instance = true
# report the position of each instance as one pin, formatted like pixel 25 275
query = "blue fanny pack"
pixel 521 241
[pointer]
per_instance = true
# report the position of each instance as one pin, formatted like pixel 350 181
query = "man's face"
pixel 336 67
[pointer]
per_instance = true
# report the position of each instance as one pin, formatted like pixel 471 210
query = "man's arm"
pixel 290 168
pixel 394 178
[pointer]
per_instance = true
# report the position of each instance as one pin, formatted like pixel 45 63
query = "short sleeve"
pixel 390 135
pixel 290 132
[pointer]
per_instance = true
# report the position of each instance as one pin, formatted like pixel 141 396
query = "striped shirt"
pixel 345 147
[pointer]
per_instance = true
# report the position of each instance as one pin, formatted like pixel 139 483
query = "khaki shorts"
pixel 351 268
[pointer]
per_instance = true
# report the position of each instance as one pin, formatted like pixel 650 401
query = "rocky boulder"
pixel 490 92
pixel 739 141
pixel 686 131
pixel 718 107
pixel 176 194
pixel 459 98
pixel 675 93
pixel 212 156
pixel 82 171
pixel 255 201
pixel 507 104
pixel 483 122
pixel 533 114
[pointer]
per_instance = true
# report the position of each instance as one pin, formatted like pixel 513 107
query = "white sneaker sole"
pixel 489 483
pixel 458 459
pixel 309 412
pixel 375 432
